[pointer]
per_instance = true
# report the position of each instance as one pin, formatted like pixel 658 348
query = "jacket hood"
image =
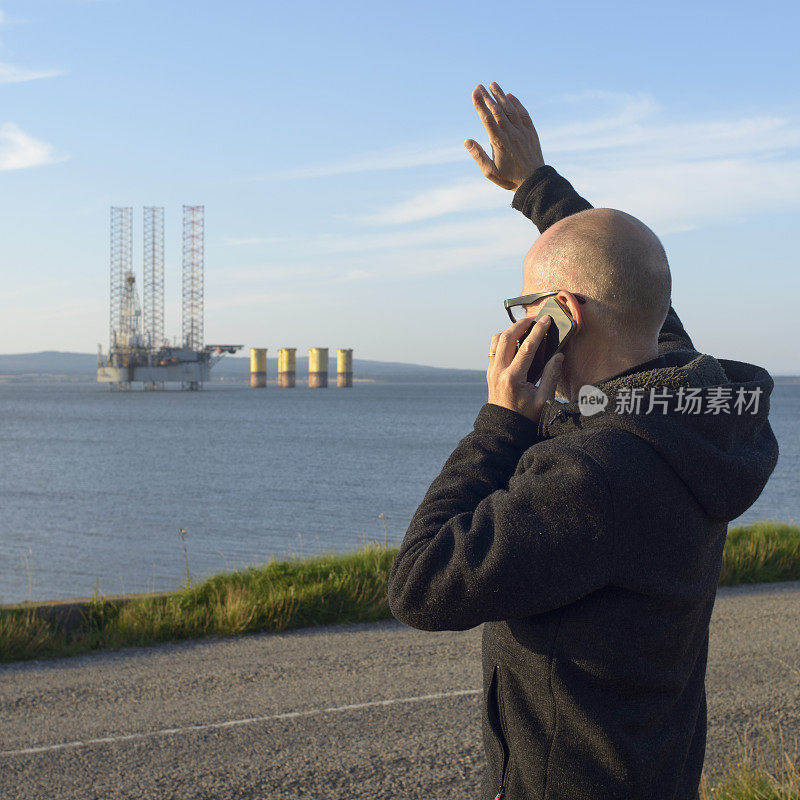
pixel 723 457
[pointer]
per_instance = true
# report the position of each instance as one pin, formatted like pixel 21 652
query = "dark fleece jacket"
pixel 590 547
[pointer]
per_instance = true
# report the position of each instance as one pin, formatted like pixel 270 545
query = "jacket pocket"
pixel 498 725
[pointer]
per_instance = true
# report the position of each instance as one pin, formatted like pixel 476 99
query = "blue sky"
pixel 342 210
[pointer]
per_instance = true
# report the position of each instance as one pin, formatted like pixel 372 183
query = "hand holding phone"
pixel 507 373
pixel 558 333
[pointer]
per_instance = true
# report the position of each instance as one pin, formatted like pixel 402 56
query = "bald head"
pixel 612 258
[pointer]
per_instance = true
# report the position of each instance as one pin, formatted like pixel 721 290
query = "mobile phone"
pixel 558 333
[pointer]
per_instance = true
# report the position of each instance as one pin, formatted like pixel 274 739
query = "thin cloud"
pixel 432 236
pixel 625 129
pixel 497 240
pixel 262 272
pixel 354 275
pixel 11 74
pixel 20 151
pixel 669 195
pixel 634 107
pixel 470 195
pixel 671 198
pixel 680 174
pixel 676 176
pixel 396 158
pixel 500 246
pixel 754 136
pixel 250 299
pixel 76 308
pixel 254 240
pixel 406 254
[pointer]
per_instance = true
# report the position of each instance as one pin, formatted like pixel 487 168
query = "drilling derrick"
pixel 193 277
pixel 138 350
pixel 193 257
pixel 129 333
pixel 153 289
pixel 121 264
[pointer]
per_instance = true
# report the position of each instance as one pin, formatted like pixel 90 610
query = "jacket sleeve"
pixel 547 197
pixel 486 544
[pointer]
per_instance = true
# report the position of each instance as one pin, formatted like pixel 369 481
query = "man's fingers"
pixel 520 109
pixel 506 348
pixel 527 351
pixel 503 102
pixel 486 164
pixel 486 116
pixel 479 154
pixel 497 112
pixel 496 136
pixel 507 353
pixel 492 349
pixel 492 117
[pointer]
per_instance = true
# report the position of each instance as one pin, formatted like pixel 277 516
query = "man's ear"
pixel 574 308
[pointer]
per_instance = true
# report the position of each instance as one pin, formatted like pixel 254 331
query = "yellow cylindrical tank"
pixel 258 367
pixel 318 367
pixel 286 368
pixel 344 367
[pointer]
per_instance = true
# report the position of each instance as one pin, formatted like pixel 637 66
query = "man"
pixel 589 545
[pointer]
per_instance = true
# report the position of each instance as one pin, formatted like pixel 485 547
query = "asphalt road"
pixel 360 711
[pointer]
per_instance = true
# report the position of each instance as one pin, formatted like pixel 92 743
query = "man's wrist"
pixel 547 197
pixel 521 192
pixel 508 424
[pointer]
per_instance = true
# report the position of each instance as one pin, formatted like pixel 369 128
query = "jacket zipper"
pixel 504 740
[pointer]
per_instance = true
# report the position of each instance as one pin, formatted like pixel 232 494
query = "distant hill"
pixel 56 365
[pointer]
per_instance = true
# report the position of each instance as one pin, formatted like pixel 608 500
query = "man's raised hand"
pixel 516 151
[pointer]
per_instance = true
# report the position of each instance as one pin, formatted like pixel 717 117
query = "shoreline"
pixel 294 593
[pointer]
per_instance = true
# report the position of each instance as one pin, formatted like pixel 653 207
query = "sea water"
pixel 96 485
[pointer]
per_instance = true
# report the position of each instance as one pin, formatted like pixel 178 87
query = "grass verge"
pixel 760 553
pixel 281 594
pixel 757 774
pixel 302 592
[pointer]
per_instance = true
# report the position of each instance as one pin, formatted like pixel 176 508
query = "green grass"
pixel 297 593
pixel 279 595
pixel 760 553
pixel 757 775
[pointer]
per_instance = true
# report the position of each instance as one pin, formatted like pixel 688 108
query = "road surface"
pixel 363 711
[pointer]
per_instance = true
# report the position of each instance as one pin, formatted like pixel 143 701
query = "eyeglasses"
pixel 517 306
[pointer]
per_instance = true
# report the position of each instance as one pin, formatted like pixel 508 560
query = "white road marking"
pixel 234 723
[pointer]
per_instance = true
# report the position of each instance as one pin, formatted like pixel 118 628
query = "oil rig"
pixel 138 351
